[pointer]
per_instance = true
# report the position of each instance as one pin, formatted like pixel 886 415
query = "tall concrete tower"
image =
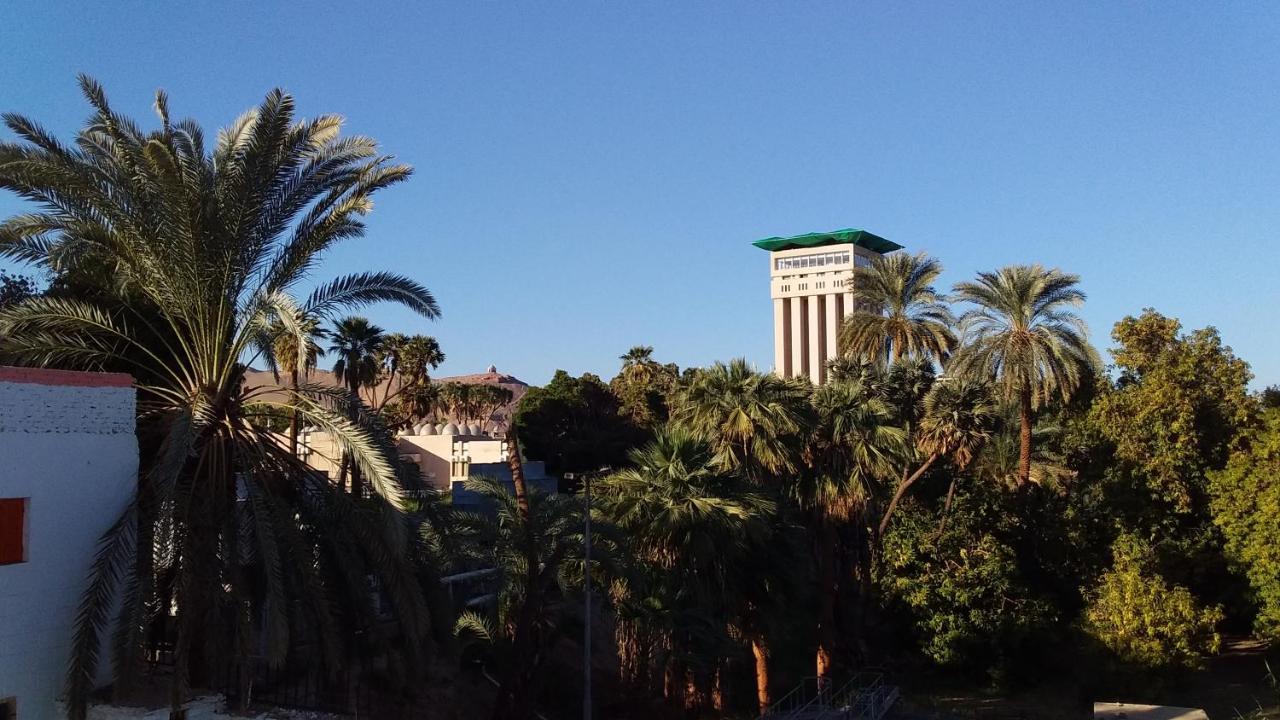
pixel 810 279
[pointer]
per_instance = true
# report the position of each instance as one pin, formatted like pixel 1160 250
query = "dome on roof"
pixel 492 369
pixel 419 429
pixel 449 429
pixel 473 429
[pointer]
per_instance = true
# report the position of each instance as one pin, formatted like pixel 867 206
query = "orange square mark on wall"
pixel 13 530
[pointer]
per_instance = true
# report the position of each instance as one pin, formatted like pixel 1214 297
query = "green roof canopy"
pixel 861 238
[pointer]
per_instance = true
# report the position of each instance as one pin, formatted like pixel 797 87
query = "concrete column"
pixel 815 338
pixel 848 303
pixel 779 337
pixel 796 338
pixel 833 325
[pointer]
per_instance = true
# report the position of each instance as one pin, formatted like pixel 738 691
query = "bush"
pixel 1143 620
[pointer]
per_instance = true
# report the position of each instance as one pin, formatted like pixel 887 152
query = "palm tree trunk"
pixel 357 482
pixel 946 509
pixel 827 592
pixel 293 415
pixel 517 475
pixel 902 490
pixel 1024 444
pixel 761 653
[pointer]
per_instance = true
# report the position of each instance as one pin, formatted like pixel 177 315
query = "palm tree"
pixel 699 529
pixel 228 531
pixel 959 417
pixel 1023 335
pixel 897 313
pixel 752 420
pixel 536 543
pixel 296 351
pixel 638 363
pixel 357 344
pixel 853 448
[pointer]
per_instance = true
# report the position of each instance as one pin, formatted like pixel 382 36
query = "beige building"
pixel 446 455
pixel 810 280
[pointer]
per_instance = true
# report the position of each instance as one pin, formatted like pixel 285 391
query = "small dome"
pixel 492 369
pixel 449 429
pixel 428 429
pixel 420 429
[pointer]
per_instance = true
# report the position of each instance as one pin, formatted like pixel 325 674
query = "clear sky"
pixel 590 175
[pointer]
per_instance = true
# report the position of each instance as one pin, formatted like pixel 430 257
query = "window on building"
pixel 862 261
pixel 13 530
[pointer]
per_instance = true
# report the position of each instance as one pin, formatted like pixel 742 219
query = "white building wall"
pixel 67 443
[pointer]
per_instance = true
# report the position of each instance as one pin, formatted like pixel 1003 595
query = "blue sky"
pixel 590 175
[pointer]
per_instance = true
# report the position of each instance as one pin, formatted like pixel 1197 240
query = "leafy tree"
pixel 1178 404
pixel 15 288
pixel 1246 503
pixel 575 425
pixel 645 388
pixel 1136 615
pixel 1022 335
pixel 897 313
pixel 203 247
pixel 967 599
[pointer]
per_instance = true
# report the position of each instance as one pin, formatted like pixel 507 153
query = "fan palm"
pixel 958 419
pixel 357 344
pixel 750 419
pixel 853 448
pixel 202 246
pixel 638 364
pixel 897 313
pixel 1022 334
pixel 699 530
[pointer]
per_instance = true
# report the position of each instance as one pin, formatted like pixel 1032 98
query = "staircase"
pixel 865 696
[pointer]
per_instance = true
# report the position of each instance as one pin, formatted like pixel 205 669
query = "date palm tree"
pixel 1022 334
pixel 897 313
pixel 357 345
pixel 229 537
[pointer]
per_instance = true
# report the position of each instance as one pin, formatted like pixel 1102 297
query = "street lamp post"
pixel 586 582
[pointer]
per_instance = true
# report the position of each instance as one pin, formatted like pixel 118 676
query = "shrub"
pixel 1143 620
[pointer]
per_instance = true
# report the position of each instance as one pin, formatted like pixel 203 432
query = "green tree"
pixel 1022 334
pixel 897 313
pixel 15 288
pixel 1178 404
pixel 575 425
pixel 1140 618
pixel 645 388
pixel 203 247
pixel 969 604
pixel 1245 503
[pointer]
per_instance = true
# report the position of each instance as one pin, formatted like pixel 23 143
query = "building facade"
pixel 810 283
pixel 445 456
pixel 68 469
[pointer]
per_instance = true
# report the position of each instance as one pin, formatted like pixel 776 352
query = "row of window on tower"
pixel 820 260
